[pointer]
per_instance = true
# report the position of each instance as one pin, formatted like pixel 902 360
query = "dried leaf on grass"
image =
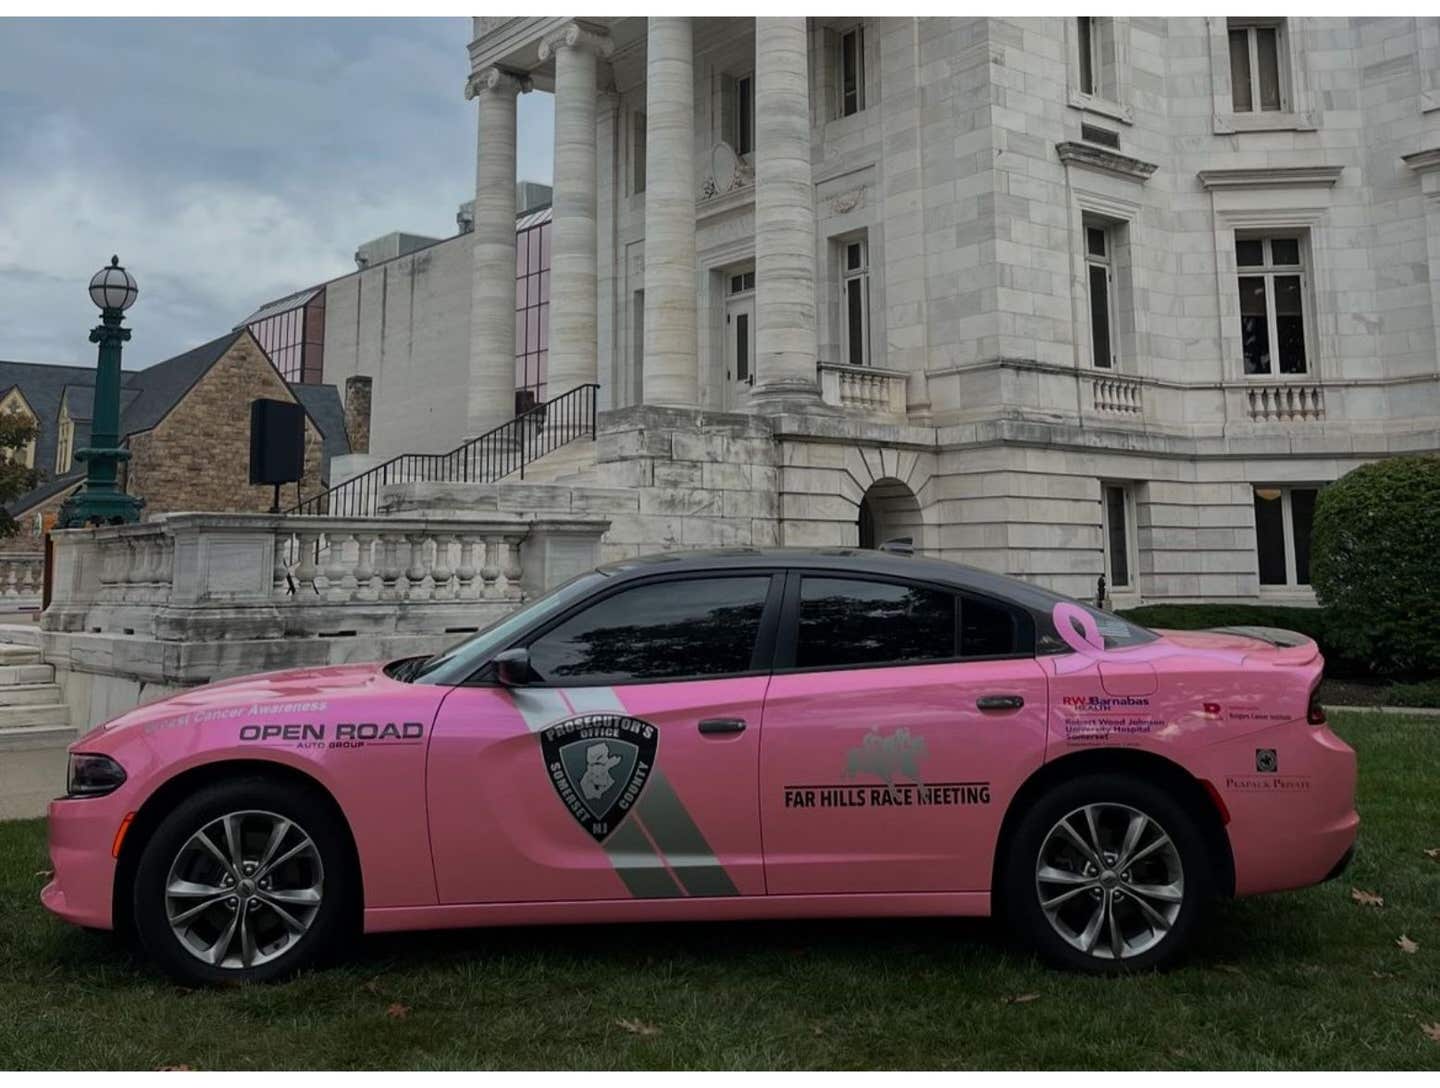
pixel 1406 945
pixel 398 1011
pixel 1367 899
pixel 1019 999
pixel 1432 1031
pixel 637 1027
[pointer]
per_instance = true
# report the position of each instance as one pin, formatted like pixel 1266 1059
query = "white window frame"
pixel 1268 271
pixel 1132 555
pixel 1287 529
pixel 1088 26
pixel 856 279
pixel 1106 262
pixel 858 31
pixel 1282 63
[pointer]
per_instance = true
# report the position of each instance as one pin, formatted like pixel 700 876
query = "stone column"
pixel 491 396
pixel 785 323
pixel 671 353
pixel 573 347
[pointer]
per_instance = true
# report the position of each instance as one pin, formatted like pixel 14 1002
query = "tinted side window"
pixel 987 628
pixel 704 627
pixel 849 622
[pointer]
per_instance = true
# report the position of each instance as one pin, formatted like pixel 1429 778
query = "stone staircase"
pixel 566 465
pixel 33 713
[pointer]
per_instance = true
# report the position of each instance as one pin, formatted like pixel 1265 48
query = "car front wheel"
pixel 1108 873
pixel 244 881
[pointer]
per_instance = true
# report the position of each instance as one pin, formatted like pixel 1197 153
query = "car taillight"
pixel 1315 714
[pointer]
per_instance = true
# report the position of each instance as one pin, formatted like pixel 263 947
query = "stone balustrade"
pixel 22 576
pixel 201 577
pixel 866 390
pixel 1116 395
pixel 1288 403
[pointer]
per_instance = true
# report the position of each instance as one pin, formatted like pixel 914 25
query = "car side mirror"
pixel 512 667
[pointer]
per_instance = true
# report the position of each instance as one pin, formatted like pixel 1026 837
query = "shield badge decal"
pixel 599 764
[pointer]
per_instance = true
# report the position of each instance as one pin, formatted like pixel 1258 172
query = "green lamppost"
pixel 100 501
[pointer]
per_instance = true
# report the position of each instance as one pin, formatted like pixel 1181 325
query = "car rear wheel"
pixel 1108 873
pixel 245 881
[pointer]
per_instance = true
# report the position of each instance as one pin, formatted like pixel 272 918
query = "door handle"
pixel 716 726
pixel 1000 702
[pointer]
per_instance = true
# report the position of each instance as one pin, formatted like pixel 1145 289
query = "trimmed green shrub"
pixel 1424 693
pixel 1373 560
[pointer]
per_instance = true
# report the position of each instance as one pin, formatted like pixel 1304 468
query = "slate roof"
pixel 323 404
pixel 146 397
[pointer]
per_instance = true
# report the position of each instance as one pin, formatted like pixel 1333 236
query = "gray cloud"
pixel 226 161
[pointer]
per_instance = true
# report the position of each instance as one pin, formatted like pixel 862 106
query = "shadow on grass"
pixel 1254 934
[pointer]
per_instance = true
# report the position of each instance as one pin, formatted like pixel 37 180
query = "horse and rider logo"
pixel 887 757
pixel 599 764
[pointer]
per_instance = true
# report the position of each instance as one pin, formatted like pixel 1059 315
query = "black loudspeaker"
pixel 277 442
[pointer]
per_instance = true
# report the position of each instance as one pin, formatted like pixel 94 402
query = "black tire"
pixel 311 816
pixel 1021 889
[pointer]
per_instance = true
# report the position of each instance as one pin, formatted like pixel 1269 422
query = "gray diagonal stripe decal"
pixel 635 860
pixel 665 815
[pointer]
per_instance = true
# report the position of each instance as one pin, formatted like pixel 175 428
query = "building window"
pixel 637 152
pixel 1256 66
pixel 1117 515
pixel 739 114
pixel 292 333
pixel 532 313
pixel 855 298
pixel 851 68
pixel 1283 517
pixel 1089 43
pixel 1096 58
pixel 1272 311
pixel 1100 277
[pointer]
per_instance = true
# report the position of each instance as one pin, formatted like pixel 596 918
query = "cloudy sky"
pixel 227 162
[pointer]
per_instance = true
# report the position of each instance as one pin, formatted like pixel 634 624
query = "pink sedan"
pixel 721 735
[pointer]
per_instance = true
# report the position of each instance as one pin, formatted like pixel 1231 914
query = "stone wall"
pixel 198 456
pixel 406 324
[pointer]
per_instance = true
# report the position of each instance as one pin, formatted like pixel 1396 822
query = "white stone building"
pixel 1054 296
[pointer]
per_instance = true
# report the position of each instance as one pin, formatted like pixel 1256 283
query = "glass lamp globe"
pixel 112 288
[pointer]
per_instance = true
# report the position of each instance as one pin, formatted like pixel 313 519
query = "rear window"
pixel 846 621
pixel 1117 631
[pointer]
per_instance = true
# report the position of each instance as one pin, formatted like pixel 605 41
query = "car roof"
pixel 842 561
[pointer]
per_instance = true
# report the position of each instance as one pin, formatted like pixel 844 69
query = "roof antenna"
pixel 900 545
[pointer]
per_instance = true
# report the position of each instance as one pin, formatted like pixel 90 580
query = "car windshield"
pixel 459 662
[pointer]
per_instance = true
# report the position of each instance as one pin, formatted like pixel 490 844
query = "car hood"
pixel 310 689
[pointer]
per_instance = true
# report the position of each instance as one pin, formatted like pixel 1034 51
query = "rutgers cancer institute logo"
pixel 598 764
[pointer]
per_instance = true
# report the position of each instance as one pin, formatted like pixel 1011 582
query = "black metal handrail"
pixel 489 457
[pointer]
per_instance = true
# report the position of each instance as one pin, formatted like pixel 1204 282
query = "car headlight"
pixel 93 775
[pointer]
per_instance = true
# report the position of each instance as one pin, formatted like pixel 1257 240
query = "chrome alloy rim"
pixel 244 889
pixel 1109 880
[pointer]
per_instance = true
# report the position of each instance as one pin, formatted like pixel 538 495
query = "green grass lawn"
pixel 1302 980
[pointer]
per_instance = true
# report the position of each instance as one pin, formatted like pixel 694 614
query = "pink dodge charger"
pixel 721 735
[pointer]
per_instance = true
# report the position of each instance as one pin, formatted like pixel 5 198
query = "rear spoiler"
pixel 1292 647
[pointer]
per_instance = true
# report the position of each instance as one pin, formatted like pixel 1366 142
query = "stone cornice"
pixel 1072 152
pixel 1423 162
pixel 1271 177
pixel 497 80
pixel 579 35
